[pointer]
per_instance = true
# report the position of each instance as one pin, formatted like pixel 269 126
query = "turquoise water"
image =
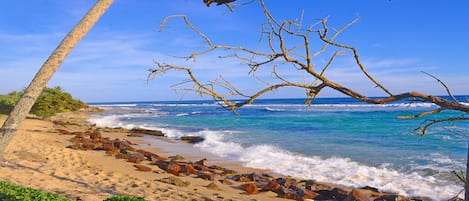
pixel 335 140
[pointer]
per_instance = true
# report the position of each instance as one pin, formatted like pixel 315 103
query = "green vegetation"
pixel 50 102
pixel 7 102
pixel 13 192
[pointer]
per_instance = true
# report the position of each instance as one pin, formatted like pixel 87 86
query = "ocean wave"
pixel 338 170
pixel 114 105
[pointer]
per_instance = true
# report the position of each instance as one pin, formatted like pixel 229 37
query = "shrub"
pixel 13 192
pixel 54 100
pixel 7 102
pixel 50 102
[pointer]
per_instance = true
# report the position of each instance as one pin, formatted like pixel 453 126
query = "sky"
pixel 396 40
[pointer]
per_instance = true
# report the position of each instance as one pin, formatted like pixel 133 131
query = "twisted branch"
pixel 282 52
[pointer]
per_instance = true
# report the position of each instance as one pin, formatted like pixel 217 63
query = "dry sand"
pixel 37 157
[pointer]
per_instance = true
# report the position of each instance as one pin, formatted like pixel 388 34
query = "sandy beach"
pixel 38 157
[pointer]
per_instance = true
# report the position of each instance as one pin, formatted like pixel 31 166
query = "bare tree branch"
pixel 423 128
pixel 444 85
pixel 285 53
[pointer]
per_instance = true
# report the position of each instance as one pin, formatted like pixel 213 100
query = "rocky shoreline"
pixel 90 138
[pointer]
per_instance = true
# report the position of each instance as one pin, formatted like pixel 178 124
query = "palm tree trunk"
pixel 47 70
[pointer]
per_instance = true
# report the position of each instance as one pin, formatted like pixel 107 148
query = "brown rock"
pixel 147 131
pixel 389 198
pixel 273 186
pixel 142 168
pixel 288 194
pixel 309 194
pixel 95 135
pixel 170 167
pixel 241 178
pixel 136 135
pixel 122 156
pixel 189 169
pixel 176 157
pixel 206 176
pixel 201 162
pixel 357 195
pixel 109 146
pixel 192 139
pixel 227 181
pixel 134 159
pixel 334 194
pixel 250 188
pixel 227 172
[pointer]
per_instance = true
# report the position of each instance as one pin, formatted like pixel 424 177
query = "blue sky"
pixel 396 39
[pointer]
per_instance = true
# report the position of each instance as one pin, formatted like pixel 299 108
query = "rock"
pixel 227 181
pixel 176 157
pixel 122 156
pixel 241 178
pixel 201 162
pixel 371 189
pixel 109 146
pixel 288 194
pixel 309 194
pixel 206 176
pixel 334 194
pixel 188 169
pixel 134 158
pixel 151 156
pixel 228 172
pixel 135 135
pixel 213 186
pixel 273 186
pixel 170 167
pixel 143 168
pixel 175 181
pixel 357 195
pixel 389 198
pixel 192 139
pixel 250 188
pixel 147 131
pixel 95 134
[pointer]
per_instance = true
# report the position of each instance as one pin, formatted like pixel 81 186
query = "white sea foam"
pixel 337 170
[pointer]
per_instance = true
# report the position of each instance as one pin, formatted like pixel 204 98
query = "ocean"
pixel 337 140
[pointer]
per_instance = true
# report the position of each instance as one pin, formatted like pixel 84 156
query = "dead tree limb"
pixel 282 50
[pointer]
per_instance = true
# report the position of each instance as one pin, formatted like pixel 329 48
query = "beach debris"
pixel 175 181
pixel 192 139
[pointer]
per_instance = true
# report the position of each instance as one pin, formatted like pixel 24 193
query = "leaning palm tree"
pixel 50 66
